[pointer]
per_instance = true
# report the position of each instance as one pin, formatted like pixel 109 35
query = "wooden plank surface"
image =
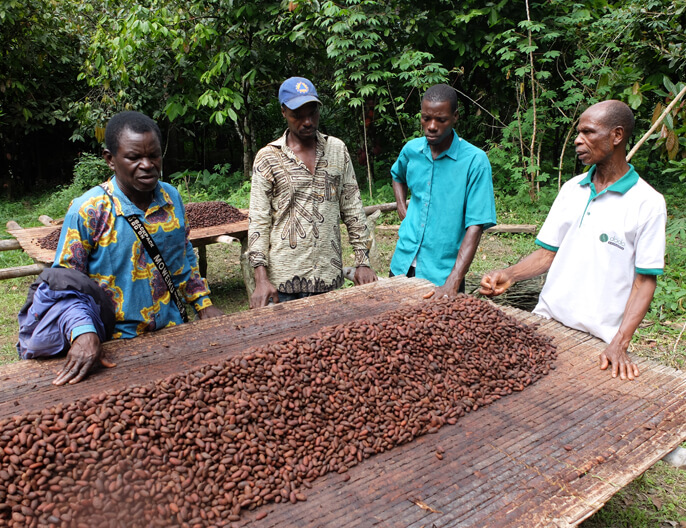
pixel 29 238
pixel 549 456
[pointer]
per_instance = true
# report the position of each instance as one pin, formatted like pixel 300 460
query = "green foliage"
pixel 568 56
pixel 519 209
pixel 670 294
pixel 40 60
pixel 382 193
pixel 676 168
pixel 18 211
pixel 210 69
pixel 669 303
pixel 194 64
pixel 204 186
pixel 13 292
pixel 365 56
pixel 90 170
pixel 653 499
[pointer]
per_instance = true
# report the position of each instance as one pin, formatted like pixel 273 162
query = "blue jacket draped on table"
pixel 61 300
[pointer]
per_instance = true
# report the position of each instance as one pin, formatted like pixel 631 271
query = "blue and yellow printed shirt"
pixel 100 242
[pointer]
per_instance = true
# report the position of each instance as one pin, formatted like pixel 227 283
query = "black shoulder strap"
pixel 154 253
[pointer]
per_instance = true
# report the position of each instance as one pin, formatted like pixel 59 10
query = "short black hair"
pixel 440 93
pixel 134 121
pixel 619 114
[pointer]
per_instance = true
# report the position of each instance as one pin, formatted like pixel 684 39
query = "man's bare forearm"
pixel 642 292
pixel 400 192
pixel 533 265
pixel 465 256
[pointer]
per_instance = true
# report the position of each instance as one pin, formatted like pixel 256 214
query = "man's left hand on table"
pixel 84 354
pixel 622 366
pixel 209 312
pixel 364 275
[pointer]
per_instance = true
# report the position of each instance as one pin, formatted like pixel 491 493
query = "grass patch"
pixel 225 279
pixel 656 499
pixel 664 342
pixel 13 293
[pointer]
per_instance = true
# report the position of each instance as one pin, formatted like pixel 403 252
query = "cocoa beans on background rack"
pixel 200 214
pixel 197 449
pixel 50 240
pixel 208 214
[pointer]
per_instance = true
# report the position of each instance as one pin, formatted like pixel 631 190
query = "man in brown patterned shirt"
pixel 302 185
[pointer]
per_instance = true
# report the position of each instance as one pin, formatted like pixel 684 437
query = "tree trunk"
pixel 247 134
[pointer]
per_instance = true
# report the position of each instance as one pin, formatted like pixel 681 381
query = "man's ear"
pixel 109 158
pixel 618 135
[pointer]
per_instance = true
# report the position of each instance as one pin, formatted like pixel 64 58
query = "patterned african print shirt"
pixel 295 216
pixel 99 241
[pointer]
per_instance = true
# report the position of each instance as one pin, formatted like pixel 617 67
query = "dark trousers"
pixel 411 271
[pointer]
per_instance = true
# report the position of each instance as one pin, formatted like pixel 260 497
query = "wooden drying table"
pixel 549 456
pixel 28 240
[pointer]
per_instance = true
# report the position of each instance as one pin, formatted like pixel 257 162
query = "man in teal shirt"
pixel 451 199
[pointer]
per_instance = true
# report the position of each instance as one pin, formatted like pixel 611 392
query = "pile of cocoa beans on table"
pixel 208 214
pixel 50 240
pixel 200 214
pixel 197 449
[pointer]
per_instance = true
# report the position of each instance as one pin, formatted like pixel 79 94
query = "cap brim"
pixel 297 102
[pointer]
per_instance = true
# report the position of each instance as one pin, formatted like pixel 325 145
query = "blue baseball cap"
pixel 297 91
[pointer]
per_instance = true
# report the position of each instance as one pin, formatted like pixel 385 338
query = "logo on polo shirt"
pixel 613 241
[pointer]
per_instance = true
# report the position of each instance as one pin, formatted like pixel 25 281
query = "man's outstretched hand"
pixel 495 283
pixel 84 354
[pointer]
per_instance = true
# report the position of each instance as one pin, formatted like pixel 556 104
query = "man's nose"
pixel 146 163
pixel 432 125
pixel 577 139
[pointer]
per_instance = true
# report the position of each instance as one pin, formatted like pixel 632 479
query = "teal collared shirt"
pixel 621 186
pixel 448 194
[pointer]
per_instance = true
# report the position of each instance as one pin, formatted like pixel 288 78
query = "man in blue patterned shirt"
pixel 97 240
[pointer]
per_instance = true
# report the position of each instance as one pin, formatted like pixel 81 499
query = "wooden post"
pixel 22 271
pixel 46 220
pixel 6 245
pixel 655 124
pixel 384 208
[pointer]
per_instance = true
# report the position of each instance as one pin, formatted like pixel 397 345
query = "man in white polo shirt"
pixel 602 244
